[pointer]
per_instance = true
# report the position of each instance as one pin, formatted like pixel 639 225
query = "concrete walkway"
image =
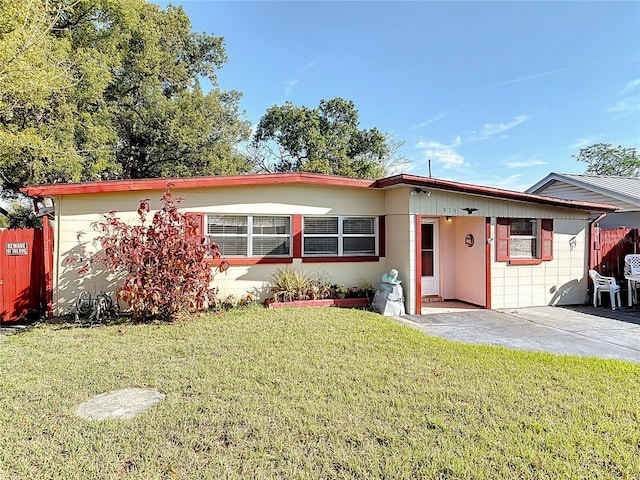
pixel 578 330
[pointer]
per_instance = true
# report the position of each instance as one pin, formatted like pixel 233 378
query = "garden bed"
pixel 325 302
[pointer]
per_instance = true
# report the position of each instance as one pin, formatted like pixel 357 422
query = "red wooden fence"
pixel 609 247
pixel 22 274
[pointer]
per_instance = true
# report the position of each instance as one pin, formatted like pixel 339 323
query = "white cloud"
pixel 289 86
pixel 544 74
pixel 512 182
pixel 489 129
pixel 627 105
pixel 524 163
pixel 526 77
pixel 438 145
pixel 581 142
pixel 632 85
pixel 443 154
pixel 428 122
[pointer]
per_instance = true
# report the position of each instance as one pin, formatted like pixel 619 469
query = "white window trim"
pixel 249 235
pixel 537 237
pixel 341 235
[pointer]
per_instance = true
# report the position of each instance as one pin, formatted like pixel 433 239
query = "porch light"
pixel 417 190
pixel 43 206
pixel 449 218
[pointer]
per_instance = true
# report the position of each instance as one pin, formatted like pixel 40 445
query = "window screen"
pixel 338 236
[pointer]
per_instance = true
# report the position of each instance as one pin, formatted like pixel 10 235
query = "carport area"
pixel 576 330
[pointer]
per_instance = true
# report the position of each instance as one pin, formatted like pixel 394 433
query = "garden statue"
pixel 391 277
pixel 389 298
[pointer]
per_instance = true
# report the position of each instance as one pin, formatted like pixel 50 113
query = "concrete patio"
pixel 576 330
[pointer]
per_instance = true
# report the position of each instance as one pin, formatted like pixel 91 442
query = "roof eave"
pixel 425 182
pixel 194 182
pixel 559 177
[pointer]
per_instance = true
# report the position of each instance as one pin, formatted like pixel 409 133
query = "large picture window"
pixel 524 239
pixel 251 235
pixel 339 236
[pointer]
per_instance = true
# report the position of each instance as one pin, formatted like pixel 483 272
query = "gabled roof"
pixel 396 181
pixel 626 189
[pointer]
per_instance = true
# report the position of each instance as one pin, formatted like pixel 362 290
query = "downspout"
pixel 417 287
pixel 594 259
pixel 56 249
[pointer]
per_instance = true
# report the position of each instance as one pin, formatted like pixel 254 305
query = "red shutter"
pixel 199 218
pixel 503 229
pixel 382 239
pixel 297 236
pixel 547 239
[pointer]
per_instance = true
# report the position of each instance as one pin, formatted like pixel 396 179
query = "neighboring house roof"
pixel 396 181
pixel 624 192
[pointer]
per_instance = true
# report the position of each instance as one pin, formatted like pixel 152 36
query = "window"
pixel 250 235
pixel 524 239
pixel 339 236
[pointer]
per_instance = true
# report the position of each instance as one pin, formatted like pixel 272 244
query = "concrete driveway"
pixel 578 330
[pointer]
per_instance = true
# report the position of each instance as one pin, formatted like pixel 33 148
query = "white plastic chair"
pixel 607 285
pixel 632 268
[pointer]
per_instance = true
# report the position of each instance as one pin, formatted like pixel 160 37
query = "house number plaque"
pixel 469 240
pixel 16 248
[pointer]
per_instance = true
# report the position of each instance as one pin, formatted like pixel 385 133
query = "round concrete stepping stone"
pixel 125 403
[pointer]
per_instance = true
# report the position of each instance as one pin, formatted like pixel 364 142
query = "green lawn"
pixel 310 393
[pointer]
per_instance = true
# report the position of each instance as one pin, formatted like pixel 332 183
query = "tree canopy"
pixel 605 159
pixel 94 89
pixel 326 139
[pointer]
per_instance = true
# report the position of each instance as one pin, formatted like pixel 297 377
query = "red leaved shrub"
pixel 164 266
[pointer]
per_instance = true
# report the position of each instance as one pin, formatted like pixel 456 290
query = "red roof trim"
pixel 195 182
pixel 414 180
pixel 305 179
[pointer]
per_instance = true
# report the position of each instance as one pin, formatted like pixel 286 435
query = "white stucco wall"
pixel 401 242
pixel 561 281
pixel 76 213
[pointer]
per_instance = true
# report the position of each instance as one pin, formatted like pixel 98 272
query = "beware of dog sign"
pixel 16 248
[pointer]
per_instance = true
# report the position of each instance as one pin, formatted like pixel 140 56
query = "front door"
pixel 429 254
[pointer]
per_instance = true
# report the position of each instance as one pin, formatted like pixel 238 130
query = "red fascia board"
pixel 304 179
pixel 195 182
pixel 425 182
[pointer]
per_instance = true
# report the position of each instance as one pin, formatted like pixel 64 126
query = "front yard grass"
pixel 310 393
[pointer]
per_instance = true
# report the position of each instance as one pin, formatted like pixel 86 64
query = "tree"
pixel 605 159
pixel 35 77
pixel 19 216
pixel 164 264
pixel 116 93
pixel 326 139
pixel 165 124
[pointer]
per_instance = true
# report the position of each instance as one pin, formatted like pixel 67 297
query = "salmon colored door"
pixel 22 278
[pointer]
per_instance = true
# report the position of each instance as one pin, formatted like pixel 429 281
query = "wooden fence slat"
pixel 22 290
pixel 609 248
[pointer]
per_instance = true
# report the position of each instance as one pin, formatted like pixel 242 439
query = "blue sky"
pixel 494 93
